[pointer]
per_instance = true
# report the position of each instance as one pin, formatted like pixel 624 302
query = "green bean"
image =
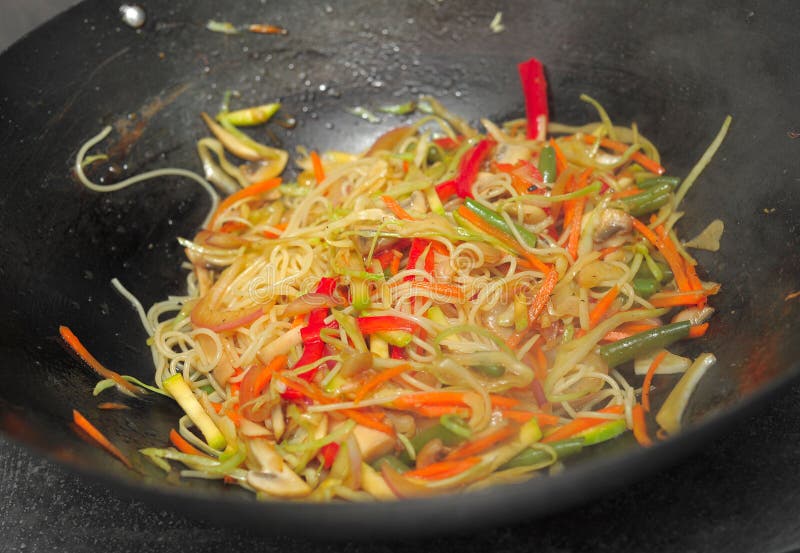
pixel 642 343
pixel 497 221
pixel 645 272
pixel 249 117
pixel 547 164
pixel 646 287
pixel 673 182
pixel 457 425
pixel 647 201
pixel 530 456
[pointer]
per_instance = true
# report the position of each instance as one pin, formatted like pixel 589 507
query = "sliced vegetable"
pixel 643 343
pixel 670 415
pixel 534 87
pixel 183 394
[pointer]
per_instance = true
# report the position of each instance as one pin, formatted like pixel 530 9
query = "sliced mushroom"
pixel 274 477
pixel 612 222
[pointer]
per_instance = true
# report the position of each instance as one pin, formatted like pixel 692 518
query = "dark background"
pixel 741 493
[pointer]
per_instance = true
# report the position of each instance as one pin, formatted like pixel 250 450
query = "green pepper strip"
pixel 648 200
pixel 399 109
pixel 673 183
pixel 249 117
pixel 547 164
pixel 642 343
pixel 437 431
pixel 497 221
pixel 603 432
pixel 528 457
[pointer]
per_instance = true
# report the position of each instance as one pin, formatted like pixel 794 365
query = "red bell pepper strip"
pixel 534 86
pixel 396 352
pixel 386 323
pixel 329 453
pixel 467 171
pixel 314 346
pixel 418 246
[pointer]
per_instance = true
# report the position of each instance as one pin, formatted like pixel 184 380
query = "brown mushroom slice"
pixel 612 222
pixel 275 478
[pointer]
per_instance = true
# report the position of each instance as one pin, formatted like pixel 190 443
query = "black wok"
pixel 676 70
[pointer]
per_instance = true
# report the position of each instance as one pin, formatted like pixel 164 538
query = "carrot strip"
pixel 98 437
pixel 696 331
pixel 575 227
pixel 396 208
pixel 607 251
pixel 640 426
pixel 515 338
pixel 483 443
pixel 676 263
pixel 436 411
pixel 365 419
pixel 443 469
pixel 694 281
pixel 581 424
pixel 308 390
pixel 673 300
pixel 76 345
pixel 278 363
pixel 503 237
pixel 620 147
pixel 542 296
pixel 252 190
pixel 316 164
pixel 394 266
pixel 269 233
pixel 179 442
pixel 602 306
pixel 561 159
pixel 378 379
pixel 632 191
pixel 232 226
pixel 667 249
pixel 563 184
pixel 410 401
pixel 438 288
pixel 524 416
pixel 112 406
pixel 648 379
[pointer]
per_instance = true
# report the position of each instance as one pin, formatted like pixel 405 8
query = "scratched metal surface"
pixel 740 494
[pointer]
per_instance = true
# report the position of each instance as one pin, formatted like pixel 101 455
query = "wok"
pixel 676 70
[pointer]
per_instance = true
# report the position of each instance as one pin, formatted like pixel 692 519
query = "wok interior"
pixel 62 244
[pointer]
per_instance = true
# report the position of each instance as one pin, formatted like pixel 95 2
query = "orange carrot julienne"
pixel 503 237
pixel 620 147
pixel 696 331
pixel 542 296
pixel 524 416
pixel 316 164
pixel 515 338
pixel 691 274
pixel 394 266
pixel 483 443
pixel 541 363
pixel 561 159
pixel 98 437
pixel 580 424
pixel 112 406
pixel 279 362
pixel 602 306
pixel 645 231
pixel 396 208
pixel 448 398
pixel 674 259
pixel 673 300
pixel 438 288
pixel 443 469
pixel 575 227
pixel 640 426
pixel 252 190
pixel 648 379
pixel 76 345
pixel 436 411
pixel 607 251
pixel 365 419
pixel 378 379
pixel 182 445
pixel 632 191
